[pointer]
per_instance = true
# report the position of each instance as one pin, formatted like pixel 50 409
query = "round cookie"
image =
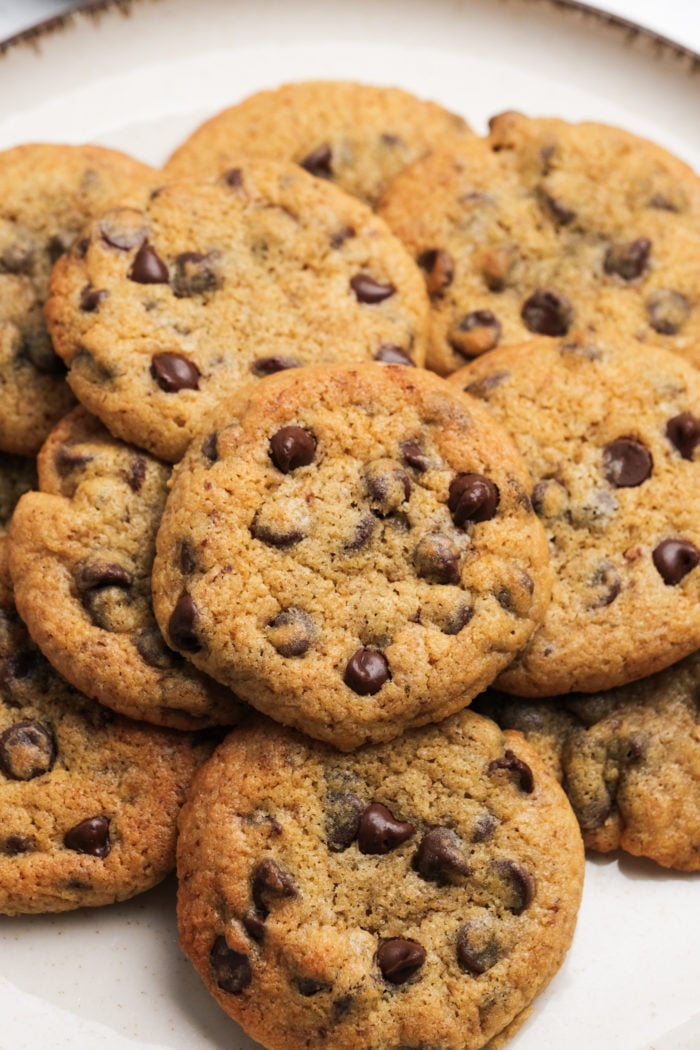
pixel 629 760
pixel 47 194
pixel 545 227
pixel 356 135
pixel 81 555
pixel 610 432
pixel 17 476
pixel 352 550
pixel 88 800
pixel 208 285
pixel 420 893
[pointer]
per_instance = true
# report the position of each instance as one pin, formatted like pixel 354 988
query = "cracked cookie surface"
pixel 352 550
pixel 415 894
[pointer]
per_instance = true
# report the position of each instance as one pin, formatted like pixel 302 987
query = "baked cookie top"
pixel 544 227
pixel 81 555
pixel 420 893
pixel 629 760
pixel 356 135
pixel 88 800
pixel 610 430
pixel 352 549
pixel 163 310
pixel 47 194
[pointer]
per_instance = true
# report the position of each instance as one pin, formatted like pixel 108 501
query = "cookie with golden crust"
pixel 208 285
pixel 610 431
pixel 413 894
pixel 628 758
pixel 544 227
pixel 88 800
pixel 49 192
pixel 352 549
pixel 355 135
pixel 82 549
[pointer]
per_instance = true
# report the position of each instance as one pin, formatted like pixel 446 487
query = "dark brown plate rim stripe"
pixel 632 29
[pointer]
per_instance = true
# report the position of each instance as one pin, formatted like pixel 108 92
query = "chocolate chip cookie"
pixel 48 193
pixel 416 894
pixel 610 431
pixel 356 135
pixel 544 227
pixel 88 800
pixel 352 549
pixel 629 760
pixel 81 554
pixel 162 310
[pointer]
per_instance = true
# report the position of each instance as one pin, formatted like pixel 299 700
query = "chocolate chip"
pixel 27 750
pixel 457 619
pixel 15 845
pixel 67 460
pixel 319 162
pixel 379 831
pixel 627 462
pixel 674 559
pixel 439 269
pixel 363 533
pixel 667 311
pixel 270 531
pixel 102 574
pixel 231 969
pixel 307 986
pixel 254 924
pixel 90 836
pixel 56 247
pixel 663 203
pixel 292 632
pixel 345 233
pixel 388 485
pixel 292 447
pixel 606 579
pixel 399 959
pixel 366 672
pixel 628 261
pixel 518 883
pixel 234 178
pixel 270 880
pixel 475 333
pixel 173 373
pixel 683 431
pixel 18 258
pixel 477 949
pixel 148 267
pixel 90 298
pixel 136 474
pixel 185 558
pixel 343 810
pixel 123 228
pixel 196 274
pixel 482 388
pixel 414 456
pixel 37 348
pixel 267 366
pixel 495 264
pixel 436 558
pixel 561 214
pixel 512 764
pixel 152 649
pixel 368 290
pixel 182 624
pixel 388 354
pixel 472 498
pixel 547 313
pixel 440 855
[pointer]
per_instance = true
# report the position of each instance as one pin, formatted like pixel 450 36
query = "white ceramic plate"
pixel 140 76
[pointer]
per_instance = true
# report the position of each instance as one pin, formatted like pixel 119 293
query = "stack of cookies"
pixel 376 418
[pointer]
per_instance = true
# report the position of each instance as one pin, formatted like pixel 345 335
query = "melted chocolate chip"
pixel 123 229
pixel 15 845
pixel 457 619
pixel 519 885
pixel 148 267
pixel 674 559
pixel 173 373
pixel 667 311
pixel 345 233
pixel 152 649
pixel 343 810
pixel 439 269
pixel 547 313
pixel 182 624
pixel 368 290
pixel 363 534
pixel 388 354
pixel 90 836
pixel 482 388
pixel 67 460
pixel 440 856
pixel 267 366
pixel 210 447
pixel 436 558
pixel 136 474
pixel 388 485
pixel 27 750
pixel 683 432
pixel 185 558
pixel 476 333
pixel 234 178
pixel 472 498
pixel 90 298
pixel 270 880
pixel 399 960
pixel 366 672
pixel 231 969
pixel 628 261
pixel 477 952
pixel 196 274
pixel 561 214
pixel 379 831
pixel 292 632
pixel 520 770
pixel 292 447
pixel 254 924
pixel 270 533
pixel 319 161
pixel 607 581
pixel 102 574
pixel 627 462
pixel 308 986
pixel 414 456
